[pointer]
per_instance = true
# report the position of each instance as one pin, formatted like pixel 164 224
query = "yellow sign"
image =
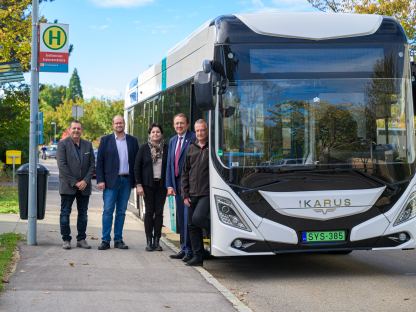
pixel 54 37
pixel 13 154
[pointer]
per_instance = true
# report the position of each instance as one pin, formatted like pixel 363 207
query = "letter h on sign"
pixel 57 37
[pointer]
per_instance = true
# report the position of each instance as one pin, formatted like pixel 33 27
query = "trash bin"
pixel 23 190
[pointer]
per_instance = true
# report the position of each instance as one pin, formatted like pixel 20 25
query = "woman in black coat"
pixel 150 173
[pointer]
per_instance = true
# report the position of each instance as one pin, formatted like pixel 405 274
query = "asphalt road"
pixel 361 281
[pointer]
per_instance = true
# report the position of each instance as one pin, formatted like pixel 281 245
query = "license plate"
pixel 323 237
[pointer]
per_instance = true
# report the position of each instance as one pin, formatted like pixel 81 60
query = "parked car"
pixel 51 151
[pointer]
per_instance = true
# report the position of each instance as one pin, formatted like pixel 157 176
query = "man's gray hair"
pixel 201 121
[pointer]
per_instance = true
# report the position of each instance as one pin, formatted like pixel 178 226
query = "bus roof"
pixel 314 25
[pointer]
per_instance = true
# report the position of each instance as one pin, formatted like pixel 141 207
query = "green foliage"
pixel 16 31
pixel 8 243
pixel 403 10
pixel 14 121
pixel 97 119
pixel 8 199
pixel 74 91
pixel 98 115
pixel 51 95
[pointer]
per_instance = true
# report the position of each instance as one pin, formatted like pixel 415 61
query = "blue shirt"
pixel 123 154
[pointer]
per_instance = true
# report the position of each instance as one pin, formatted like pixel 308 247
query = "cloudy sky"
pixel 115 40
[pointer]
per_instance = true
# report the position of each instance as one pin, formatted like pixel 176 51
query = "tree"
pixel 97 119
pixel 74 91
pixel 51 95
pixel 14 121
pixel 98 115
pixel 403 10
pixel 16 31
pixel 329 5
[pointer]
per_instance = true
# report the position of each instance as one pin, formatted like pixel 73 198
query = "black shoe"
pixel 104 245
pixel 187 258
pixel 195 261
pixel 149 246
pixel 120 245
pixel 179 255
pixel 207 255
pixel 156 244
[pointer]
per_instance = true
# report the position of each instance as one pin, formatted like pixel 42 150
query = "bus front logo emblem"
pixel 324 210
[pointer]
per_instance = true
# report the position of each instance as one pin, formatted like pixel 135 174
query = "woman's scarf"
pixel 156 150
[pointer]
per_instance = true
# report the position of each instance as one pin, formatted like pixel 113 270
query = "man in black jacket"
pixel 195 190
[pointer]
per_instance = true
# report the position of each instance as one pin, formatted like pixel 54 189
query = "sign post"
pixel 34 96
pixel 77 111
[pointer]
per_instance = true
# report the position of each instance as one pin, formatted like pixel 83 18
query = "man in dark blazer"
pixel 76 161
pixel 115 177
pixel 178 147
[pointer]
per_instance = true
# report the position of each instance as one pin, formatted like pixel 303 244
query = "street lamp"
pixel 54 131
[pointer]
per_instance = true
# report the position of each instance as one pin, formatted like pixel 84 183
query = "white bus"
pixel 301 110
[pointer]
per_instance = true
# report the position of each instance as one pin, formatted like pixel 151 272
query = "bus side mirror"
pixel 203 91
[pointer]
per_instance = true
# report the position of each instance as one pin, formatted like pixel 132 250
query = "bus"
pixel 311 129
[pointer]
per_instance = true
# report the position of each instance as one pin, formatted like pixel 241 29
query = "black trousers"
pixel 154 199
pixel 198 219
pixel 82 220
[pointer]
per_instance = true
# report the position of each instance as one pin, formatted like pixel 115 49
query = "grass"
pixel 8 199
pixel 8 243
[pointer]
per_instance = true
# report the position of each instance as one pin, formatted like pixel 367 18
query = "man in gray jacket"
pixel 76 163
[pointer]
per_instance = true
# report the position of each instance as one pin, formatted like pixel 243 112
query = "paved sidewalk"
pixel 49 278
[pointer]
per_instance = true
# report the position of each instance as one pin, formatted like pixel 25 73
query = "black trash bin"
pixel 23 190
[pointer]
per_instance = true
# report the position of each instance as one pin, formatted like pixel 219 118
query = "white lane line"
pixel 237 304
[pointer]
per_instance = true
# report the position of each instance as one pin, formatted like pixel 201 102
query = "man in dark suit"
pixel 178 147
pixel 115 176
pixel 76 161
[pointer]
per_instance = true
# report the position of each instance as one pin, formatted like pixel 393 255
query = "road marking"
pixel 237 304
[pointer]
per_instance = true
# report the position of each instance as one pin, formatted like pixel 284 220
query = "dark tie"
pixel 177 155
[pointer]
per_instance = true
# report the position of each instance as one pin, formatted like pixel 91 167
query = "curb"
pixel 237 303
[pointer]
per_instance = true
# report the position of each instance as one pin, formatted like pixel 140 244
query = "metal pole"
pixel 14 160
pixel 34 93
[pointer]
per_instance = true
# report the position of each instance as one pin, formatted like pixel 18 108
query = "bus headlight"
pixel 409 211
pixel 228 213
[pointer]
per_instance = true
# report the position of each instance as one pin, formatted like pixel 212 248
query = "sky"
pixel 115 40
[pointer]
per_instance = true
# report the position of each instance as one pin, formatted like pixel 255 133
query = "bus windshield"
pixel 344 104
pixel 320 122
